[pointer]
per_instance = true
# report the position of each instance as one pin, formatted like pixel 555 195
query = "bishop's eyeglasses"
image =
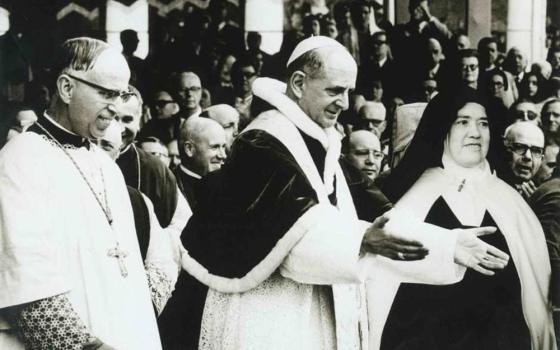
pixel 109 94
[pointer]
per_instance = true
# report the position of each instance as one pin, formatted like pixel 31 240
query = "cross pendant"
pixel 119 254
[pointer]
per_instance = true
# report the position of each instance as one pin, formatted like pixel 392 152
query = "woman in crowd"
pixel 534 87
pixel 447 178
pixel 497 86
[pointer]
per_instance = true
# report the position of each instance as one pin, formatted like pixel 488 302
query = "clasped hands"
pixel 470 251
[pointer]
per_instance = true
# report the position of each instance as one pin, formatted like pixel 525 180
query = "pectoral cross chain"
pixel 116 252
pixel 119 254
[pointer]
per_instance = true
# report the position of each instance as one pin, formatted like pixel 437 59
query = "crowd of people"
pixel 369 186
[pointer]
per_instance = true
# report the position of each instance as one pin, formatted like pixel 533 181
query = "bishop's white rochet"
pixel 115 252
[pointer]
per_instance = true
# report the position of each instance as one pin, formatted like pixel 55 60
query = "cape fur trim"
pixel 274 92
pixel 268 265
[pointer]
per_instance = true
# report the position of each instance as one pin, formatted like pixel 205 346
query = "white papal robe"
pixel 308 291
pixel 54 239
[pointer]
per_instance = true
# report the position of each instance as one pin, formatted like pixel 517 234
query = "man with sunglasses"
pixel 166 121
pixel 525 144
pixel 468 59
pixel 71 272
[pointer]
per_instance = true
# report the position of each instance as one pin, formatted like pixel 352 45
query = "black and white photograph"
pixel 279 174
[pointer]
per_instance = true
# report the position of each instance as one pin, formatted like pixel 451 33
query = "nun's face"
pixel 469 136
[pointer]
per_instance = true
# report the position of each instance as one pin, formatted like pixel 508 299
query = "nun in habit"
pixel 447 179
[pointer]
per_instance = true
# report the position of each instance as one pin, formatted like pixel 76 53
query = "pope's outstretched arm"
pixel 414 251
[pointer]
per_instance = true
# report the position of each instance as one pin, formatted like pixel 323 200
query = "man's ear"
pixel 65 88
pixel 296 83
pixel 188 147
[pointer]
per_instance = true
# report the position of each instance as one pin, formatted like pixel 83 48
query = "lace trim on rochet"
pixel 52 323
pixel 160 286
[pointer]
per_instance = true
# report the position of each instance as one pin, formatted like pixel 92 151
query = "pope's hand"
pixel 378 241
pixel 476 254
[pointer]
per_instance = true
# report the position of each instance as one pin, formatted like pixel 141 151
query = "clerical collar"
pixel 188 172
pixel 61 134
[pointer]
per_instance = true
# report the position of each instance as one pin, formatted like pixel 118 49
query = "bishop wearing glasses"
pixel 71 273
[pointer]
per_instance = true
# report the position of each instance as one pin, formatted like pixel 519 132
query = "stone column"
pixel 267 18
pixel 479 15
pixel 390 10
pixel 121 17
pixel 401 11
pixel 4 20
pixel 527 28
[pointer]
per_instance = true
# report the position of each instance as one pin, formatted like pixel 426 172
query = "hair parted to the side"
pixel 311 63
pixel 78 54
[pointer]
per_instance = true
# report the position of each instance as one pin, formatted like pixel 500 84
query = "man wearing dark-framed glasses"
pixel 72 273
pixel 105 92
pixel 525 144
pixel 186 90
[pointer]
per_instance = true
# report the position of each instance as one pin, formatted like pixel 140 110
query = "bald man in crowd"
pixel 364 153
pixel 202 148
pixel 361 163
pixel 227 117
pixel 525 144
pixel 372 117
